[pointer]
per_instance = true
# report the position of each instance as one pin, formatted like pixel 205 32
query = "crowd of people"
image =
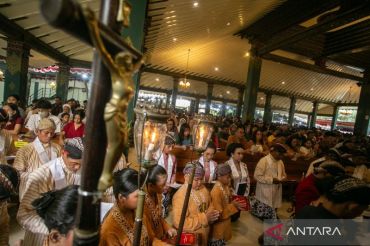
pixel 45 174
pixel 69 117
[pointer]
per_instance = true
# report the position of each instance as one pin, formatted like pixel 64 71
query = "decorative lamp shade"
pixel 149 131
pixel 202 132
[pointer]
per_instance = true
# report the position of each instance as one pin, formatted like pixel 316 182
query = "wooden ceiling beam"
pixel 355 38
pixel 314 68
pixel 185 94
pixel 357 9
pixel 179 74
pixel 12 30
pixel 293 13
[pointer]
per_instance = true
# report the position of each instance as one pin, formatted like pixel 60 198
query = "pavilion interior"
pixel 211 41
pixel 318 57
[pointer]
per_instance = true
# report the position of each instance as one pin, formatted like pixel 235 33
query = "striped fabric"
pixel 26 161
pixel 4 223
pixel 39 181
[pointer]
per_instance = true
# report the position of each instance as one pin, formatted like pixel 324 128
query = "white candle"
pixel 148 152
pixel 201 136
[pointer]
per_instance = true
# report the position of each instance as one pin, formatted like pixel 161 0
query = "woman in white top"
pixel 240 176
pixel 208 164
pixel 307 150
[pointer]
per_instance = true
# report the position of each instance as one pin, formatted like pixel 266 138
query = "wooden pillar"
pixel 314 114
pixel 252 84
pixel 335 117
pixel 63 81
pixel 240 102
pixel 17 58
pixel 209 97
pixel 174 92
pixel 168 99
pixel 291 111
pixel 267 115
pixel 363 109
pixel 223 109
pixel 196 108
pixel 136 32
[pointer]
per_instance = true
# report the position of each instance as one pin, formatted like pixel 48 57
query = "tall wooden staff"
pixel 68 16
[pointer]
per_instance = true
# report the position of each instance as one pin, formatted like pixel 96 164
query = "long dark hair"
pixel 125 182
pixel 182 130
pixel 58 208
pixel 254 137
pixel 14 108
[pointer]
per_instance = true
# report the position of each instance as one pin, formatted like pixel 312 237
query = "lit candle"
pixel 201 136
pixel 150 147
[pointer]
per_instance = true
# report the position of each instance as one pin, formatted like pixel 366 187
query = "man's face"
pixel 12 100
pixel 225 179
pixel 277 155
pixel 169 125
pixel 58 101
pixel 45 135
pixel 72 165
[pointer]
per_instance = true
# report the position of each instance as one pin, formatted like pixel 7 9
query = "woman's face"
pixel 238 154
pixel 308 144
pixel 258 135
pixel 186 132
pixel 65 118
pixel 167 149
pixel 66 109
pixel 131 200
pixel 8 109
pixel 239 133
pixel 77 119
pixel 161 183
pixel 208 154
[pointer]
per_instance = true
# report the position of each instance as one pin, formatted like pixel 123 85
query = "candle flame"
pixel 153 137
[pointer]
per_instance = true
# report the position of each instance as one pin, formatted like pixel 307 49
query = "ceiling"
pixel 207 30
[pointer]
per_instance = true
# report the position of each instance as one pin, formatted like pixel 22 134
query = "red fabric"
pixel 306 193
pixel 11 123
pixel 71 132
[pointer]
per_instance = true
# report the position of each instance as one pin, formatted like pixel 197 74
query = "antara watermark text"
pixel 314 231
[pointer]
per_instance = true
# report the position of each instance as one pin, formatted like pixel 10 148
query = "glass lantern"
pixel 150 131
pixel 202 132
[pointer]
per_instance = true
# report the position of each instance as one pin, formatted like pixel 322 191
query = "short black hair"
pixel 58 208
pixel 232 147
pixel 64 114
pixel 211 145
pixel 15 96
pixel 125 181
pixel 81 113
pixel 44 104
pixel 58 97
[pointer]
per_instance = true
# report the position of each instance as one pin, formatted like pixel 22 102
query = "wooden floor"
pixel 245 231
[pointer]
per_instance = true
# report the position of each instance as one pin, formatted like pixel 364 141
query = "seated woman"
pixel 64 119
pixel 5 138
pixel 66 109
pixel 257 143
pixel 240 176
pixel 15 121
pixel 157 225
pixel 238 137
pixel 118 225
pixel 184 137
pixel 208 164
pixel 74 129
pixel 307 151
pixel 58 210
pixel 294 144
